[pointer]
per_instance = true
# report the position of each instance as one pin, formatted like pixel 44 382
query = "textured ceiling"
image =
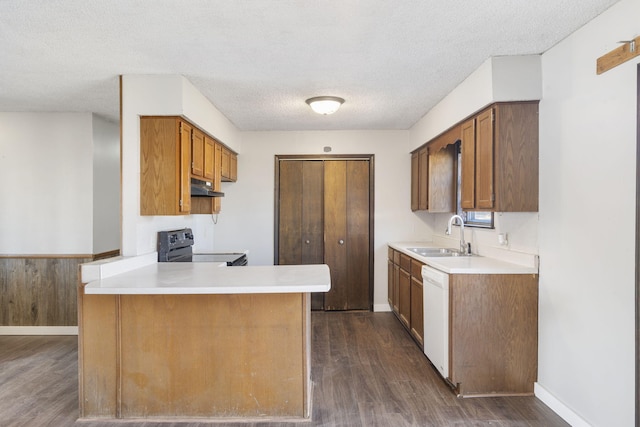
pixel 258 60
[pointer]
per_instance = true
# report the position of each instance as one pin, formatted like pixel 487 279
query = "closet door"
pixel 300 225
pixel 346 233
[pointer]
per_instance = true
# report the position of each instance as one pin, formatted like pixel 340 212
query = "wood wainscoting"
pixel 41 290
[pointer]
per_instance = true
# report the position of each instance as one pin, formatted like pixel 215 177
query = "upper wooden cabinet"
pixel 229 165
pixel 433 174
pixel 165 166
pixel 197 153
pixel 420 179
pixel 442 179
pixel 210 165
pixel 500 159
pixel 172 151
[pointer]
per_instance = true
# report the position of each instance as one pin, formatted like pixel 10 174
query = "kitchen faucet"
pixel 464 249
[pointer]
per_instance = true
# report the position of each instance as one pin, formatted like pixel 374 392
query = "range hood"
pixel 201 188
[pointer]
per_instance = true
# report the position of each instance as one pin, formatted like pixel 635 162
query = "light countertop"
pixel 463 264
pixel 210 278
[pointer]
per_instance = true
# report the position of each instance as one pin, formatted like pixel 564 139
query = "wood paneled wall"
pixel 41 290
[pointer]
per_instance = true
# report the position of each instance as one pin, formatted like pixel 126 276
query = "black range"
pixel 177 246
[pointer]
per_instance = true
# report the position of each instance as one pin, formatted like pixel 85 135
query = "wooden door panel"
pixel 185 167
pixel 468 138
pixel 357 238
pixel 335 229
pixel 415 178
pixel 312 212
pixel 290 211
pixel 197 153
pixel 484 160
pixel 209 159
pixel 423 176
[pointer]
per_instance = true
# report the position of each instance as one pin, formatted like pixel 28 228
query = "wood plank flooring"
pixel 366 372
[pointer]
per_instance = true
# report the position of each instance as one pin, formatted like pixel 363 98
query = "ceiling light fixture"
pixel 325 104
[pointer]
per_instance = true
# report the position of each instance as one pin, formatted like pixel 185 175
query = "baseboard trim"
pixel 558 407
pixel 381 307
pixel 38 330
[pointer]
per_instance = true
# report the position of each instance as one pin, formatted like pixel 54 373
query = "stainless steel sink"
pixel 436 252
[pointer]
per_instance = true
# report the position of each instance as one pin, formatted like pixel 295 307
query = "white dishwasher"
pixel 436 318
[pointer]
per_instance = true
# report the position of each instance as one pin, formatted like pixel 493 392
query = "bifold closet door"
pixel 300 225
pixel 346 233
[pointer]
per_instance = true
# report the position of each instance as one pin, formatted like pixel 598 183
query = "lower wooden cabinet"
pixel 493 333
pixel 493 326
pixel 417 303
pixel 405 293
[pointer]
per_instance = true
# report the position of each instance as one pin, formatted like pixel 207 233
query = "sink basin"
pixel 436 252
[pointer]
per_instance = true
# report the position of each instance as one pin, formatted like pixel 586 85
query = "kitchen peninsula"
pixel 195 340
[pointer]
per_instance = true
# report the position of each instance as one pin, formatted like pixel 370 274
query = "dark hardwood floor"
pixel 366 372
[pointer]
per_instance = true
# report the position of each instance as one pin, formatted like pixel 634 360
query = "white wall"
pixel 46 183
pixel 162 95
pixel 502 78
pixel 106 185
pixel 586 228
pixel 247 217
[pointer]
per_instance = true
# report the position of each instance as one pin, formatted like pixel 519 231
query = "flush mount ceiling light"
pixel 325 104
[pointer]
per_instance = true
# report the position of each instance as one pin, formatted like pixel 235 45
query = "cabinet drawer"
pixel 416 269
pixel 405 262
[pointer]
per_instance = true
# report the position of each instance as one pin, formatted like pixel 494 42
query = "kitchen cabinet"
pixel 433 174
pixel 165 166
pixel 172 151
pixel 212 167
pixel 229 165
pixel 442 179
pixel 197 154
pixel 493 333
pixel 404 289
pixel 405 293
pixel 209 164
pixel 393 273
pixel 420 179
pixel 394 280
pixel 500 159
pixel 417 303
pixel 323 216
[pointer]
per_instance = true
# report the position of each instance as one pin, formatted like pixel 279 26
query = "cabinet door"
pixel 233 167
pixel 442 179
pixel 197 153
pixel 226 165
pixel 415 178
pixel 423 179
pixel 484 160
pixel 404 304
pixel 417 310
pixel 185 163
pixel 217 176
pixel 209 159
pixel 396 289
pixel 468 154
pixel 390 281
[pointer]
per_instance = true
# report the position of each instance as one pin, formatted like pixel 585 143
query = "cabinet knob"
pixel 307 242
pixel 341 242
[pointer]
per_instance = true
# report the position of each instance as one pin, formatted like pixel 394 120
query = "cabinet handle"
pixel 341 242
